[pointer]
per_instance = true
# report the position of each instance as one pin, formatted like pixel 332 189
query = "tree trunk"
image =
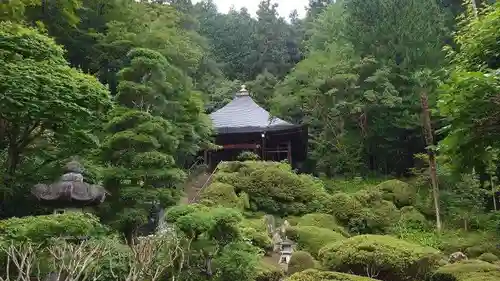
pixel 493 191
pixel 429 139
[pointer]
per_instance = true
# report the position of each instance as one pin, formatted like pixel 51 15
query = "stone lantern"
pixel 286 251
pixel 70 192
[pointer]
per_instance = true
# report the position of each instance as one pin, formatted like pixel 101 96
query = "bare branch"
pixel 22 258
pixel 77 261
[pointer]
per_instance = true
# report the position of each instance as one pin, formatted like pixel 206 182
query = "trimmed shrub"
pixel 220 194
pixel 477 250
pixel 40 229
pixel 343 206
pixel 300 261
pixel 473 244
pixel 323 221
pixel 273 187
pixel 376 217
pixel 363 212
pixel 386 257
pixel 316 275
pixel 311 238
pixel 176 212
pixel 488 257
pixel 400 193
pixel 268 272
pixel 411 218
pixel 258 238
pixel 468 270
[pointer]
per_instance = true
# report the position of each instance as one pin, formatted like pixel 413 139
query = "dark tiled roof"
pixel 243 115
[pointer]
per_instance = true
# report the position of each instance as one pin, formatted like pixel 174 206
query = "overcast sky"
pixel 284 8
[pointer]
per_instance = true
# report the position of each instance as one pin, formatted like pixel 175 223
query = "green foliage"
pixel 41 229
pixel 238 261
pixel 255 231
pixel 354 89
pixel 220 224
pixel 116 263
pixel 147 173
pixel 400 193
pixel 220 194
pixel 465 200
pixel 468 97
pixel 273 187
pixel 323 221
pixel 469 270
pixel 269 272
pixel 258 238
pixel 477 39
pixel 420 25
pixel 311 239
pixel 248 156
pixel 465 98
pixel 316 275
pixel 472 244
pixel 48 109
pixel 412 218
pixel 343 206
pixel 363 212
pixel 350 185
pixel 386 257
pixel 488 257
pixel 300 261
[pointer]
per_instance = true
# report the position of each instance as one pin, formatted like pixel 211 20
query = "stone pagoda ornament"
pixel 70 192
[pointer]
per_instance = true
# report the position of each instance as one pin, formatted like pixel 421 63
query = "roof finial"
pixel 243 91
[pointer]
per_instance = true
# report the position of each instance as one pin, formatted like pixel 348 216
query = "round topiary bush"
pixel 476 250
pixel 269 272
pixel 323 221
pixel 400 193
pixel 343 206
pixel 488 257
pixel 220 194
pixel 316 275
pixel 311 238
pixel 467 270
pixel 377 217
pixel 300 261
pixel 386 257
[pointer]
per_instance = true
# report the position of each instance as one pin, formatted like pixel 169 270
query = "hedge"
pixel 300 261
pixel 316 275
pixel 39 229
pixel 468 270
pixel 311 238
pixel 390 258
pixel 323 221
pixel 272 187
pixel 398 192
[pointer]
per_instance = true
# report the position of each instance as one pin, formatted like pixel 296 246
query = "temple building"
pixel 243 125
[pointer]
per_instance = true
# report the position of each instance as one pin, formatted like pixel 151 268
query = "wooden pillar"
pixel 205 157
pixel 289 151
pixel 263 135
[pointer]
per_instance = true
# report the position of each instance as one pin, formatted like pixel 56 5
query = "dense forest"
pixel 401 101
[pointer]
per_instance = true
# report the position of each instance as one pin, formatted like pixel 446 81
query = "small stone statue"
pixel 456 257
